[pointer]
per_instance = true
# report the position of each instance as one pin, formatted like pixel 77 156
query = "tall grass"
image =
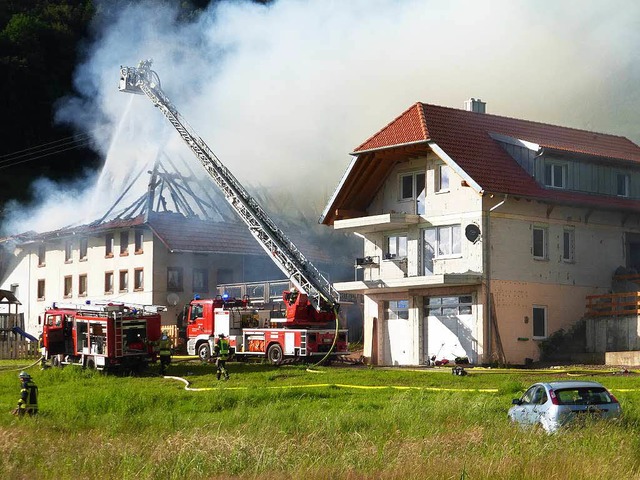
pixel 270 423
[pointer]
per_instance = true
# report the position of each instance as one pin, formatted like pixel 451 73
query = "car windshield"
pixel 583 396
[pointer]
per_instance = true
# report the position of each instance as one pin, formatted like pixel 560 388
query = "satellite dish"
pixel 472 232
pixel 173 299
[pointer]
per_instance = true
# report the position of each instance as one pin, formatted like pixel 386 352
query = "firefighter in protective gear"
pixel 165 352
pixel 28 403
pixel 221 350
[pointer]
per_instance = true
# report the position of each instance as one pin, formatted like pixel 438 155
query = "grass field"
pixel 285 422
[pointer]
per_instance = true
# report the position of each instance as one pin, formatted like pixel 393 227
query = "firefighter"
pixel 221 350
pixel 28 403
pixel 165 352
pixel 43 352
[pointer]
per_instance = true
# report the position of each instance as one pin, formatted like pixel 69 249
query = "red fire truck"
pixel 104 337
pixel 302 334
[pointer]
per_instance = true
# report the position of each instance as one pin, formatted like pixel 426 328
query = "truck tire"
pixel 91 364
pixel 204 352
pixel 55 361
pixel 274 354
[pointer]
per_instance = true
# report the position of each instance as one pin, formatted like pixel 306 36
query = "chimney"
pixel 475 105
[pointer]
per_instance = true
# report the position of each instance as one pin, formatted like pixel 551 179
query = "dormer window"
pixel 412 189
pixel 555 175
pixel 622 185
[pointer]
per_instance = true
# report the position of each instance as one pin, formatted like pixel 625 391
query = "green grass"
pixel 269 422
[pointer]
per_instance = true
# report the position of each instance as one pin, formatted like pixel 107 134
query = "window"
pixel 41 255
pixel 449 306
pixel 108 245
pixel 412 187
pixel 397 309
pixel 443 177
pixel 396 247
pixel 539 322
pixel 68 251
pixel 174 279
pixel 82 285
pixel 124 243
pixel 41 289
pixel 84 247
pixel 440 242
pixel 555 175
pixel 224 275
pixel 138 279
pixel 622 185
pixel 108 282
pixel 200 280
pixel 67 286
pixel 568 245
pixel 124 280
pixel 139 241
pixel 539 243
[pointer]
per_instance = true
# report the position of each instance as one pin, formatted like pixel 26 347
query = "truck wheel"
pixel 274 354
pixel 204 352
pixel 91 364
pixel 55 361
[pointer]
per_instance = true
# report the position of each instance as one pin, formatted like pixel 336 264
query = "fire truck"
pixel 261 333
pixel 311 306
pixel 106 336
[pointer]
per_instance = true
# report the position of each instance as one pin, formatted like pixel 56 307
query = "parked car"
pixel 555 404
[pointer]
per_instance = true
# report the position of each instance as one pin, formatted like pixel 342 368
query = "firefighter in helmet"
pixel 165 351
pixel 28 403
pixel 221 349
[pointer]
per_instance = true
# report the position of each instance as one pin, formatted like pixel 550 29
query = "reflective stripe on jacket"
pixel 29 395
pixel 223 348
pixel 165 347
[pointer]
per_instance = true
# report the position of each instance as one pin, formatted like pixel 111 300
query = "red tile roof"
pixel 466 138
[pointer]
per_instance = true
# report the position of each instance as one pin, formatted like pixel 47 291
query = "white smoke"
pixel 282 93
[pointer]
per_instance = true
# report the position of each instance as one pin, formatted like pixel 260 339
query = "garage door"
pixel 451 328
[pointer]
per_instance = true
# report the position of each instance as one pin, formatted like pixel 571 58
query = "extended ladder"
pixel 300 271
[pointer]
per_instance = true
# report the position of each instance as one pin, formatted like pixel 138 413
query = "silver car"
pixel 555 404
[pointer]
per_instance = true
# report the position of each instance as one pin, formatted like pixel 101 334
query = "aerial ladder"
pixel 310 283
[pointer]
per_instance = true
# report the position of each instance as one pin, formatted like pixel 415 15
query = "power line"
pixel 73 147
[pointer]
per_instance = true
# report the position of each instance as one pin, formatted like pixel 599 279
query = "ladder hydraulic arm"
pixel 300 271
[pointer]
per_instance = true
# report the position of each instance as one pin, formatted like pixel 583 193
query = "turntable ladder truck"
pixel 313 302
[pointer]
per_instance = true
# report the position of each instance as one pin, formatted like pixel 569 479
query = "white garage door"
pixel 451 328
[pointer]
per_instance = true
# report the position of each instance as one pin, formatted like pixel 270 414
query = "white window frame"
pixel 394 245
pixel 545 242
pixel 68 251
pixel 551 180
pixel 449 305
pixel 397 310
pixel 569 245
pixel 442 178
pixel 416 197
pixel 436 234
pixel 545 321
pixel 625 185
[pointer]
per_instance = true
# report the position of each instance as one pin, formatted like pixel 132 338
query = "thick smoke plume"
pixel 282 93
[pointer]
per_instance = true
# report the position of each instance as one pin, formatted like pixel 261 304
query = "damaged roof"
pixel 466 138
pixel 186 234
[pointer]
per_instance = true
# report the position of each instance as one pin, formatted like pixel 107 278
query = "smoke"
pixel 282 93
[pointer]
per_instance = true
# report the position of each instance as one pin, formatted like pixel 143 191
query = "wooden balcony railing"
pixel 613 304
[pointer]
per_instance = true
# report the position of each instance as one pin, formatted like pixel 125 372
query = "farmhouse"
pixel 483 234
pixel 172 242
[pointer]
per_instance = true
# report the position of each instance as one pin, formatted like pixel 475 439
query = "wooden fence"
pixel 19 350
pixel 613 304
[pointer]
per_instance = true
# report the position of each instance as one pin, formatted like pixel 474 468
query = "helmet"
pixel 165 336
pixel 24 375
pixel 221 335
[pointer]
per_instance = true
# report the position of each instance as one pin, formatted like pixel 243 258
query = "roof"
pixel 190 234
pixel 6 296
pixel 466 138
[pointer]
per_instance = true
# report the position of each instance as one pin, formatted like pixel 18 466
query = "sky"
pixel 283 93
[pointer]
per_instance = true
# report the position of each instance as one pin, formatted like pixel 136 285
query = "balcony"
pixel 613 304
pixel 408 283
pixel 377 223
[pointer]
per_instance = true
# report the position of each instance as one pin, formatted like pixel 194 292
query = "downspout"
pixel 487 270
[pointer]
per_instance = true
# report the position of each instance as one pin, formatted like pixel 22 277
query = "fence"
pixel 19 350
pixel 614 304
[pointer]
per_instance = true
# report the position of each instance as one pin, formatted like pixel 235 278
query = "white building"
pixel 483 234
